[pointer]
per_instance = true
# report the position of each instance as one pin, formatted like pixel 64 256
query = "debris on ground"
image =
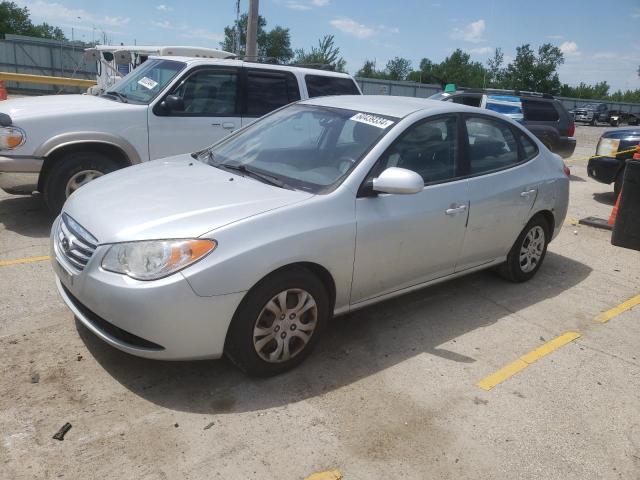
pixel 209 425
pixel 35 377
pixel 62 432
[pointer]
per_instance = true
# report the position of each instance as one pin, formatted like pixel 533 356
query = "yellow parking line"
pixel 18 261
pixel 329 475
pixel 604 317
pixel 524 361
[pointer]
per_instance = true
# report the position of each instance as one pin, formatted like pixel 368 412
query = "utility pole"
pixel 236 47
pixel 252 31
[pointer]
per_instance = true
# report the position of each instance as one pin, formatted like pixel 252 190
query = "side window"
pixel 429 148
pixel 469 100
pixel 529 148
pixel 539 111
pixel 492 145
pixel 268 90
pixel 321 86
pixel 209 93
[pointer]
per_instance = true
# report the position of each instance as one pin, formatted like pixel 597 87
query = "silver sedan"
pixel 247 248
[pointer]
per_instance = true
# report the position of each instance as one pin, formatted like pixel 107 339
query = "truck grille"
pixel 74 243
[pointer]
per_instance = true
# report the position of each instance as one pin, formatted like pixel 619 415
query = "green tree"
pixel 16 20
pixel 368 70
pixel 537 73
pixel 326 54
pixel 494 69
pixel 274 44
pixel 398 68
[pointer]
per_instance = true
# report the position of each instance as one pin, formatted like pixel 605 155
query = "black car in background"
pixel 608 166
pixel 542 114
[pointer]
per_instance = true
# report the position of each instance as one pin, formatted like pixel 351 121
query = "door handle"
pixel 455 210
pixel 528 193
pixel 226 125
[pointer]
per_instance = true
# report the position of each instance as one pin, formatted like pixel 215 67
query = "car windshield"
pixel 305 147
pixel 144 83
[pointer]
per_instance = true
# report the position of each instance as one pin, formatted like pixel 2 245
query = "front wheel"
pixel 278 323
pixel 528 252
pixel 72 171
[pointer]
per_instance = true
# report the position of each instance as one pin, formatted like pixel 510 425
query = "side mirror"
pixel 398 180
pixel 172 104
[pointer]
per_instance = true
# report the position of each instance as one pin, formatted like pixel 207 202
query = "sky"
pixel 600 39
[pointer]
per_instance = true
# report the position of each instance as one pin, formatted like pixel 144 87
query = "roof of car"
pixel 388 105
pixel 243 63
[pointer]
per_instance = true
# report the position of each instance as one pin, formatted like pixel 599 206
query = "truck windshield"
pixel 145 82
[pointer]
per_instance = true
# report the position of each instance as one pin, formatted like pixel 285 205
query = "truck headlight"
pixel 608 147
pixel 11 137
pixel 154 259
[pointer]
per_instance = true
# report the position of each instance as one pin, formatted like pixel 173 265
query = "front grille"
pixel 74 243
pixel 109 328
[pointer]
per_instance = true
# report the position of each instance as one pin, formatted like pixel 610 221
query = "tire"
pixel 593 122
pixel 513 269
pixel 257 335
pixel 72 171
pixel 617 184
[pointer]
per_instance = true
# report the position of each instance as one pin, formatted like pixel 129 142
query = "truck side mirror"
pixel 172 104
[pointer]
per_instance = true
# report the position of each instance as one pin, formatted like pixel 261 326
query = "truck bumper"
pixel 19 174
pixel 565 147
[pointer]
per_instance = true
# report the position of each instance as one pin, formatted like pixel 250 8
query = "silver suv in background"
pixel 168 105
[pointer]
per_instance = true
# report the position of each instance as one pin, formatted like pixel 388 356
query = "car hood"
pixel 176 197
pixel 54 105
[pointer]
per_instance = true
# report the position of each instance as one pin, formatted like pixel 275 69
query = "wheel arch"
pixel 549 218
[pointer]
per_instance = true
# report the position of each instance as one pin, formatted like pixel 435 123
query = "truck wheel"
pixel 594 122
pixel 70 172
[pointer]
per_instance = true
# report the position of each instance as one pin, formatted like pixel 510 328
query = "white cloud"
pixel 481 50
pixel 555 37
pixel 303 5
pixel 470 33
pixel 320 3
pixel 353 28
pixel 570 48
pixel 164 24
pixel 164 8
pixel 53 12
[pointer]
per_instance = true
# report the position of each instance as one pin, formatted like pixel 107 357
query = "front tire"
pixel 72 171
pixel 528 251
pixel 278 323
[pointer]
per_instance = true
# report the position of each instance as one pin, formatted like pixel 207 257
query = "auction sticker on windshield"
pixel 147 83
pixel 373 120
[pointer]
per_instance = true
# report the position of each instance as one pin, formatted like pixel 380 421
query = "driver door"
pixel 210 112
pixel 405 240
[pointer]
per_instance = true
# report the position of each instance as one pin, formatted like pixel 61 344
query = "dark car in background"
pixel 542 114
pixel 608 165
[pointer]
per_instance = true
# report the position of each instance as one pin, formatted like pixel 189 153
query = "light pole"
pixel 252 30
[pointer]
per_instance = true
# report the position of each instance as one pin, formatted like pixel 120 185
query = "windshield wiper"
pixel 270 179
pixel 120 96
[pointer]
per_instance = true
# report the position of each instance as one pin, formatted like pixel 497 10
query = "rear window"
pixel 538 111
pixel 321 86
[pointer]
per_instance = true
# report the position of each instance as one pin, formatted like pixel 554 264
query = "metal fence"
pixel 372 86
pixel 39 56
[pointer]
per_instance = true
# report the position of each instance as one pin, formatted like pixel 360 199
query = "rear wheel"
pixel 528 251
pixel 72 171
pixel 278 323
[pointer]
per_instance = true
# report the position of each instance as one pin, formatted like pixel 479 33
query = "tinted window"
pixel 267 91
pixel 539 111
pixel 529 148
pixel 429 148
pixel 208 93
pixel 320 86
pixel 492 145
pixel 467 100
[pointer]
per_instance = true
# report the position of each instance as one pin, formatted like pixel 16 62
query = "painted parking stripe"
pixel 328 475
pixel 524 361
pixel 18 261
pixel 604 317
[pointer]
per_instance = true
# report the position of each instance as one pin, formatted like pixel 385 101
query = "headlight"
pixel 150 260
pixel 11 137
pixel 608 147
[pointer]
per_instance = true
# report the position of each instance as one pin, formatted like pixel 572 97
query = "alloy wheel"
pixel 79 179
pixel 532 249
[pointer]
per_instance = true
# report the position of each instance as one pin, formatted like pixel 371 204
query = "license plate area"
pixel 66 277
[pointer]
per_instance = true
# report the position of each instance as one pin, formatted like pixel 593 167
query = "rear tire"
pixel 72 171
pixel 528 251
pixel 264 339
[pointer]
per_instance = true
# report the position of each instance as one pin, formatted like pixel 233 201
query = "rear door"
pixel 503 185
pixel 542 119
pixel 211 111
pixel 266 90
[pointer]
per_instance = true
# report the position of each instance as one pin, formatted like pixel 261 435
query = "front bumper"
pixel 19 174
pixel 604 169
pixel 161 319
pixel 585 117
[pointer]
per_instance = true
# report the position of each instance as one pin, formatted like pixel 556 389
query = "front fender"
pixel 76 138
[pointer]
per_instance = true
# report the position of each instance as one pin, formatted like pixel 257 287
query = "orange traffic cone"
pixel 614 212
pixel 3 91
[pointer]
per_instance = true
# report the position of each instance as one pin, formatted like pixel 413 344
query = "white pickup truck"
pixel 168 105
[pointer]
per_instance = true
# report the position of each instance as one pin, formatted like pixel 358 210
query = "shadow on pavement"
pixel 575 178
pixel 354 346
pixel 25 215
pixel 606 198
